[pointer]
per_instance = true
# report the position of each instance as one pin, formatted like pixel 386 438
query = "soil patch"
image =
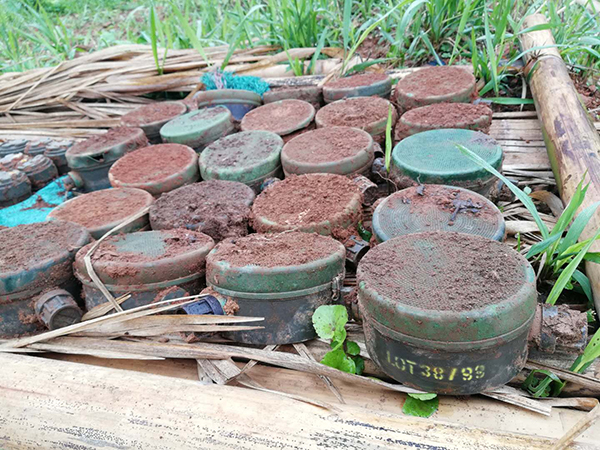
pixel 273 250
pixel 281 117
pixel 132 138
pixel 444 271
pixel 177 242
pixel 154 112
pixel 306 199
pixel 364 79
pixel 434 81
pixel 26 246
pixel 218 208
pixel 100 208
pixel 448 115
pixel 453 201
pixel 327 144
pixel 358 112
pixel 566 325
pixel 241 149
pixel 39 203
pixel 152 164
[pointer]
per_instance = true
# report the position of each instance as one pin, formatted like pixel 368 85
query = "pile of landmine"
pixel 274 226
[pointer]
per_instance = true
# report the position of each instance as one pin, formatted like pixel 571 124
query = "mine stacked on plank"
pixel 266 208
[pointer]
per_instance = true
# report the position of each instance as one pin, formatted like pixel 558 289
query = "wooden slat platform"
pixel 57 404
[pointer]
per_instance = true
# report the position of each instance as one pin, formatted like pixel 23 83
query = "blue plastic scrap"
pixel 37 207
pixel 228 80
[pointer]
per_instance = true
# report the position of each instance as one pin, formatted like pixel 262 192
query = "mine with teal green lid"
pixel 150 265
pixel 35 257
pixel 447 312
pixel 432 207
pixel 432 157
pixel 360 85
pixel 283 277
pixel 199 128
pixel 248 157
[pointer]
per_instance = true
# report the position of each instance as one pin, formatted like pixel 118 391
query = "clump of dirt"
pixel 100 208
pixel 26 246
pixel 218 208
pixel 152 164
pixel 364 79
pixel 358 112
pixel 327 144
pixel 281 117
pixel 444 115
pixel 444 271
pixel 239 150
pixel 154 112
pixel 274 250
pixel 39 203
pixel 305 201
pixel 177 242
pixel 435 81
pixel 130 138
pixel 453 201
pixel 566 325
pixel 309 94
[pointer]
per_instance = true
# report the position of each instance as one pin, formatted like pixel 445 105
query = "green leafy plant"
pixel 546 385
pixel 329 322
pixel 559 253
pixel 421 405
pixel 388 139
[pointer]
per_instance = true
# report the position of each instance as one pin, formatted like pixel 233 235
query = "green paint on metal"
pixel 432 157
pixel 199 128
pixel 247 157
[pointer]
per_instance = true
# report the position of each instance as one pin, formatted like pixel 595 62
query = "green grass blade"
pixel 540 247
pixel 346 20
pixel 154 40
pixel 591 352
pixel 567 273
pixel 577 227
pixel 585 284
pixel 388 139
pixel 525 199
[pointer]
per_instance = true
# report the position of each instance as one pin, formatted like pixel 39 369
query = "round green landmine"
pixel 101 211
pixel 147 257
pixel 156 168
pixel 435 85
pixel 199 128
pixel 104 148
pixel 327 204
pixel 443 115
pixel 432 157
pixel 275 262
pixel 361 85
pixel 248 157
pixel 367 113
pixel 432 207
pixel 282 117
pixel 338 150
pixel 153 116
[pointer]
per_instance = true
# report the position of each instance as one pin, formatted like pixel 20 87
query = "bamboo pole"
pixel 571 139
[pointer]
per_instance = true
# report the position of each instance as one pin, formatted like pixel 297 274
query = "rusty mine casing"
pixel 438 318
pixel 286 288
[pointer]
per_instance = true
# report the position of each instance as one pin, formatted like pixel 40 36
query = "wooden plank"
pixel 55 404
pixel 572 139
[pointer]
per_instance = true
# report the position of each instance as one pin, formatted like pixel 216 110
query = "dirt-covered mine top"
pixel 354 112
pixel 444 271
pixel 274 249
pixel 153 163
pixel 434 81
pixel 327 144
pixel 154 112
pixel 364 79
pixel 305 199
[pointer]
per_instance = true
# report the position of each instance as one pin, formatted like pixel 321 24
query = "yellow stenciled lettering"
pixel 438 373
pixel 452 374
pixel 411 365
pixel 479 372
pixel 467 373
pixel 426 372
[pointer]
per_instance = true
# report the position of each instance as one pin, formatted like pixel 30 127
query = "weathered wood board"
pixel 62 404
